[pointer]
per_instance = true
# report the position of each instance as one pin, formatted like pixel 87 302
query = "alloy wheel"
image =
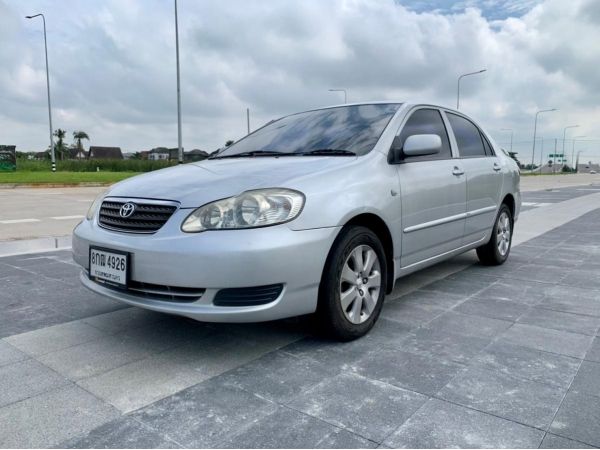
pixel 503 234
pixel 360 284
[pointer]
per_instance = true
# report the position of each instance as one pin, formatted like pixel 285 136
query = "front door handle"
pixel 497 167
pixel 458 172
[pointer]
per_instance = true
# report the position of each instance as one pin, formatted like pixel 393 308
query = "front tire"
pixel 496 251
pixel 353 285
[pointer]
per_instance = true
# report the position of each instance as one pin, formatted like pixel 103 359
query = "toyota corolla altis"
pixel 317 212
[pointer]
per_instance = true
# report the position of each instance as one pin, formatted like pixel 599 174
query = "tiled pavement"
pixel 486 357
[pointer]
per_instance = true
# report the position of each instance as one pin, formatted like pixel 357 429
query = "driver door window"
pixel 426 121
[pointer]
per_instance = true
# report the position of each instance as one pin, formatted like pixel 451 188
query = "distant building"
pixel 587 168
pixel 128 155
pixel 76 153
pixel 105 153
pixel 159 153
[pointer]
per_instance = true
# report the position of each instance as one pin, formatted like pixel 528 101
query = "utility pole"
pixel 179 145
pixel 248 119
pixel 52 153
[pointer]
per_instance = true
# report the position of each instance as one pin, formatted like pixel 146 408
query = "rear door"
pixel 483 175
pixel 433 191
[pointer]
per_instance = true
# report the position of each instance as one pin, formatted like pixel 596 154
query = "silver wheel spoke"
pixel 347 297
pixel 369 303
pixel 348 275
pixel 355 311
pixel 369 261
pixel 357 256
pixel 374 280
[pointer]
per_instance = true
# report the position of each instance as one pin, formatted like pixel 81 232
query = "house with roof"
pixel 97 152
pixel 77 153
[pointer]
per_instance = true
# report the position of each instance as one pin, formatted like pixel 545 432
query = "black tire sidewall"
pixel 494 241
pixel 333 319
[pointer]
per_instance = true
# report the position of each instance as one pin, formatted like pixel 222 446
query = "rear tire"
pixel 496 251
pixel 353 284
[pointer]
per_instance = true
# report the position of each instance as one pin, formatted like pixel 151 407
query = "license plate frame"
pixel 116 282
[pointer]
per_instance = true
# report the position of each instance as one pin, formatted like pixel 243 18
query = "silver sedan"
pixel 317 212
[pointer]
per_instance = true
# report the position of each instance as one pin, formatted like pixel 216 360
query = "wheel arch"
pixel 509 201
pixel 378 226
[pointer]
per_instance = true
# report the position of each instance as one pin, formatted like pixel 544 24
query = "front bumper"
pixel 216 260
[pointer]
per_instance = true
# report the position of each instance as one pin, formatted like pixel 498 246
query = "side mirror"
pixel 422 144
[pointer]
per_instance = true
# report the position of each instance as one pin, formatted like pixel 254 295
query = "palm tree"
pixel 78 136
pixel 60 147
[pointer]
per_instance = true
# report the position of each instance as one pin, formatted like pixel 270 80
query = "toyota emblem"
pixel 127 210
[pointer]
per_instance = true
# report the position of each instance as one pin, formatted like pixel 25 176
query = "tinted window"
pixel 354 128
pixel 488 148
pixel 467 136
pixel 427 121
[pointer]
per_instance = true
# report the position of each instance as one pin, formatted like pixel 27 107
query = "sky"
pixel 112 66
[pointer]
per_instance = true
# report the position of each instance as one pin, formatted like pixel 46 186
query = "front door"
pixel 433 190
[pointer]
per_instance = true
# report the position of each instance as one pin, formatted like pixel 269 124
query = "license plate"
pixel 109 266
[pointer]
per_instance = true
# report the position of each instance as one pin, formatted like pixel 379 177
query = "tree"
pixel 60 148
pixel 78 136
pixel 228 143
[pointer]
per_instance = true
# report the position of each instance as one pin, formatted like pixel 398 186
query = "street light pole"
pixel 511 136
pixel 573 152
pixel 564 137
pixel 341 90
pixel 179 145
pixel 535 131
pixel 52 155
pixel 248 119
pixel 458 84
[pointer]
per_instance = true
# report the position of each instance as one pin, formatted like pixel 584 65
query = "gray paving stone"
pixel 139 383
pixel 462 287
pixel 411 314
pixel 492 308
pixel 54 338
pixel 535 272
pixel 525 292
pixel 300 431
pixel 51 418
pixel 440 424
pixel 205 415
pixel 442 344
pixel 345 439
pixel 593 353
pixel 469 325
pixel 582 277
pixel 578 418
pixel 24 318
pixel 572 299
pixel 523 362
pixel 8 271
pixel 25 379
pixel 558 320
pixel 587 380
pixel 554 341
pixel 78 303
pixel 96 357
pixel 366 407
pixel 124 319
pixel 9 354
pixel 123 432
pixel 418 373
pixel 278 376
pixel 554 441
pixel 523 401
pixel 429 299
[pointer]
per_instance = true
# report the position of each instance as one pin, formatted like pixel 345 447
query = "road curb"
pixel 37 245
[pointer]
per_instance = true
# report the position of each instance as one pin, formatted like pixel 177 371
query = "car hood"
pixel 196 184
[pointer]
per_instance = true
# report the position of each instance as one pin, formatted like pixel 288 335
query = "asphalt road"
pixel 463 356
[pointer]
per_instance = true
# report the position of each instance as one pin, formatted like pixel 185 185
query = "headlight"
pixel 96 205
pixel 251 209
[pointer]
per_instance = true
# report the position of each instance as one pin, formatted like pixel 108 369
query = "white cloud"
pixel 113 73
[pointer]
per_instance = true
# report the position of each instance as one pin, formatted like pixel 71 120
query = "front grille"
pixel 159 292
pixel 146 218
pixel 250 296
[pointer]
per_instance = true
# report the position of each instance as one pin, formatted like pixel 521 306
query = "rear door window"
pixel 468 138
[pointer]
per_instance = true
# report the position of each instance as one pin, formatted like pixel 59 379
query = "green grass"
pixel 41 178
pixel 104 165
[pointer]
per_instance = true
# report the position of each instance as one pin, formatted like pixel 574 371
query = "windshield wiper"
pixel 328 152
pixel 251 154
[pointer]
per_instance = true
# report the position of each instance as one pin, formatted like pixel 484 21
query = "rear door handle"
pixel 497 167
pixel 458 172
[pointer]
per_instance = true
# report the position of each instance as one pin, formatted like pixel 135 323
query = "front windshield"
pixel 354 129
